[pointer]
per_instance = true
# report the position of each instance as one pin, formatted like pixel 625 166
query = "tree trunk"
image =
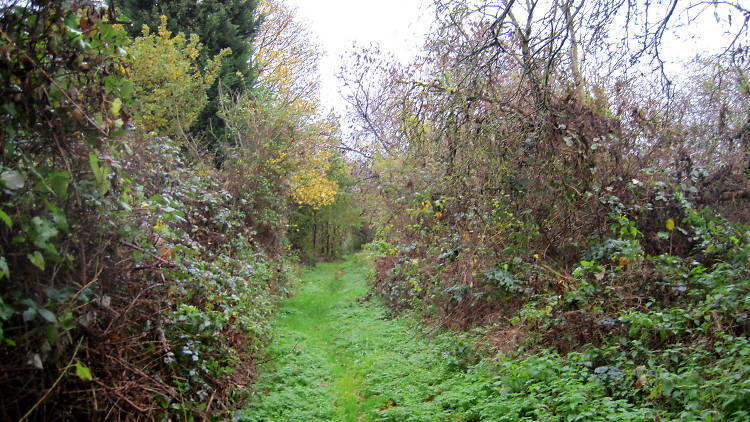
pixel 575 67
pixel 315 235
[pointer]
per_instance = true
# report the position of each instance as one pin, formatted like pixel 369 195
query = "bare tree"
pixel 286 57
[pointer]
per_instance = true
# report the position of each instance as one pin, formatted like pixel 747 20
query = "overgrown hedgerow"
pixel 558 205
pixel 134 283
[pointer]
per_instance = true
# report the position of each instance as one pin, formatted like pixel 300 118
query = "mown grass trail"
pixel 336 359
pixel 326 347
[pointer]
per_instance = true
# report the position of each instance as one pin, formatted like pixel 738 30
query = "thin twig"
pixel 53 82
pixel 166 263
pixel 57 381
pixel 445 319
pixel 121 397
pixel 283 354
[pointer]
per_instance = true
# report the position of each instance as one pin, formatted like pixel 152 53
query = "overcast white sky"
pixel 397 26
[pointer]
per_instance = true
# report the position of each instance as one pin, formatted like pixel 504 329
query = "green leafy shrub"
pixel 168 84
pixel 133 278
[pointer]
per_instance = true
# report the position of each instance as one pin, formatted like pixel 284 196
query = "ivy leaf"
pixel 37 259
pixel 6 218
pixel 83 372
pixel 60 221
pixel 6 311
pixel 29 314
pixel 44 231
pixel 12 179
pixel 59 296
pixel 4 270
pixel 59 181
pixel 114 107
pixel 44 228
pixel 46 314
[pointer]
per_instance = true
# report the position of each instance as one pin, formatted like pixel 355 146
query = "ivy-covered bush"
pixel 63 92
pixel 133 279
pixel 216 281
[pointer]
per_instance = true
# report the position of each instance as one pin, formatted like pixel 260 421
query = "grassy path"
pixel 335 359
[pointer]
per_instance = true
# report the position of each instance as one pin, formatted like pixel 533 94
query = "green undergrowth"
pixel 656 308
pixel 337 358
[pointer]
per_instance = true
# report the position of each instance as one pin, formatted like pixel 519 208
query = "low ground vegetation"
pixel 340 354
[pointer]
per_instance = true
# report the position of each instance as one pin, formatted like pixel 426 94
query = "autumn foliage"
pixel 169 85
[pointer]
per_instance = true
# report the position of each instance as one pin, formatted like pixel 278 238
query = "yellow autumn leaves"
pixel 311 186
pixel 171 89
pixel 286 57
pixel 168 82
pixel 310 182
pixel 287 61
pixel 296 148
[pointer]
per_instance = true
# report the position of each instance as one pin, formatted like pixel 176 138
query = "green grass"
pixel 335 359
pixel 330 352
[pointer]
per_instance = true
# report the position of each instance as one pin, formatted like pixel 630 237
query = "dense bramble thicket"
pixel 566 204
pixel 137 278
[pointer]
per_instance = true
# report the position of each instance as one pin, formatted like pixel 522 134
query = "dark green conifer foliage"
pixel 219 24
